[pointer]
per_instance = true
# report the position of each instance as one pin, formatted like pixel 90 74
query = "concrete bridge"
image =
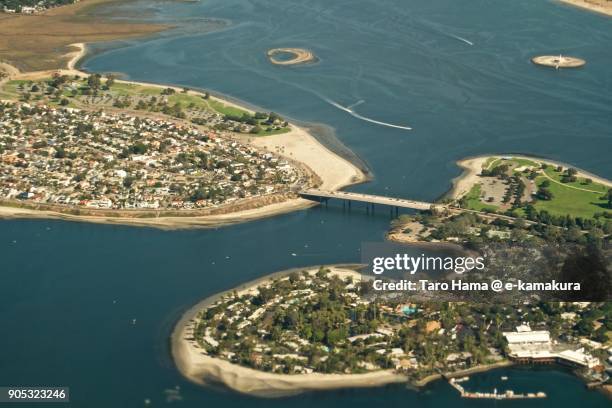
pixel 371 200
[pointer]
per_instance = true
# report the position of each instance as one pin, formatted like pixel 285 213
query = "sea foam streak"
pixel 456 37
pixel 359 102
pixel 358 116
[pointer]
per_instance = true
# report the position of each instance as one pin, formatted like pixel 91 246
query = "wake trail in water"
pixel 356 104
pixel 456 37
pixel 351 112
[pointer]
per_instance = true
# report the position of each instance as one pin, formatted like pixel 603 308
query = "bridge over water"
pixel 395 203
pixel 348 197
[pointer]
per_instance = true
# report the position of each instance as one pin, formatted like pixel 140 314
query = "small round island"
pixel 298 56
pixel 558 61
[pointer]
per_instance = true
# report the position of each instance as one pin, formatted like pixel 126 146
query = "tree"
pixel 138 148
pixel 94 81
pixel 608 197
pixel 128 181
pixel 110 80
pixel 590 270
pixel 544 194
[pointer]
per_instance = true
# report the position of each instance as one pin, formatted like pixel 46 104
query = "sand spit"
pixel 203 369
pixel 558 61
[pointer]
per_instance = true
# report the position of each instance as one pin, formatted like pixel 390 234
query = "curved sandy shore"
pixel 332 171
pixel 597 6
pixel 203 369
pixel 473 166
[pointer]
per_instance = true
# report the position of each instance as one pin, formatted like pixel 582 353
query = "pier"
pixel 508 394
pixel 370 200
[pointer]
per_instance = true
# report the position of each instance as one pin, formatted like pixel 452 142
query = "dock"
pixel 508 394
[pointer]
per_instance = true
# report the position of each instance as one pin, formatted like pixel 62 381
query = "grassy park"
pixel 547 187
pixel 578 198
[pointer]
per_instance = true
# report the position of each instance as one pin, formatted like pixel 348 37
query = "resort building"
pixel 527 346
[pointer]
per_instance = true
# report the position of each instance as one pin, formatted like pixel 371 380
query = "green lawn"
pixel 233 111
pixel 493 162
pixel 525 162
pixel 224 109
pixel 570 201
pixel 186 100
pixel 579 183
pixel 123 89
pixel 9 89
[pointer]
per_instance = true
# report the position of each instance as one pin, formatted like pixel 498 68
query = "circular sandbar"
pixel 300 56
pixel 558 61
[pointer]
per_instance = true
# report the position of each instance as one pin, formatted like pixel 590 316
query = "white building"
pixel 533 346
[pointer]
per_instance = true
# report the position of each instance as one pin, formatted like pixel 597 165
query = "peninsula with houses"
pixel 98 148
pixel 323 328
pixel 54 157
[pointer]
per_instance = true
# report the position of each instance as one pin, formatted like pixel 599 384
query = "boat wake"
pixel 350 111
pixel 456 37
pixel 356 104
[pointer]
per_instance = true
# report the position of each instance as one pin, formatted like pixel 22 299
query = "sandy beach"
pixel 473 166
pixel 598 6
pixel 203 369
pixel 331 171
pixel 464 182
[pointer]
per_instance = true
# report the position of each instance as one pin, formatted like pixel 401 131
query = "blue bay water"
pixel 70 291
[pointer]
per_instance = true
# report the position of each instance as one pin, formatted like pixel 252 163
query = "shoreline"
pixel 461 373
pixel 593 6
pixel 205 370
pixel 333 171
pixel 472 166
